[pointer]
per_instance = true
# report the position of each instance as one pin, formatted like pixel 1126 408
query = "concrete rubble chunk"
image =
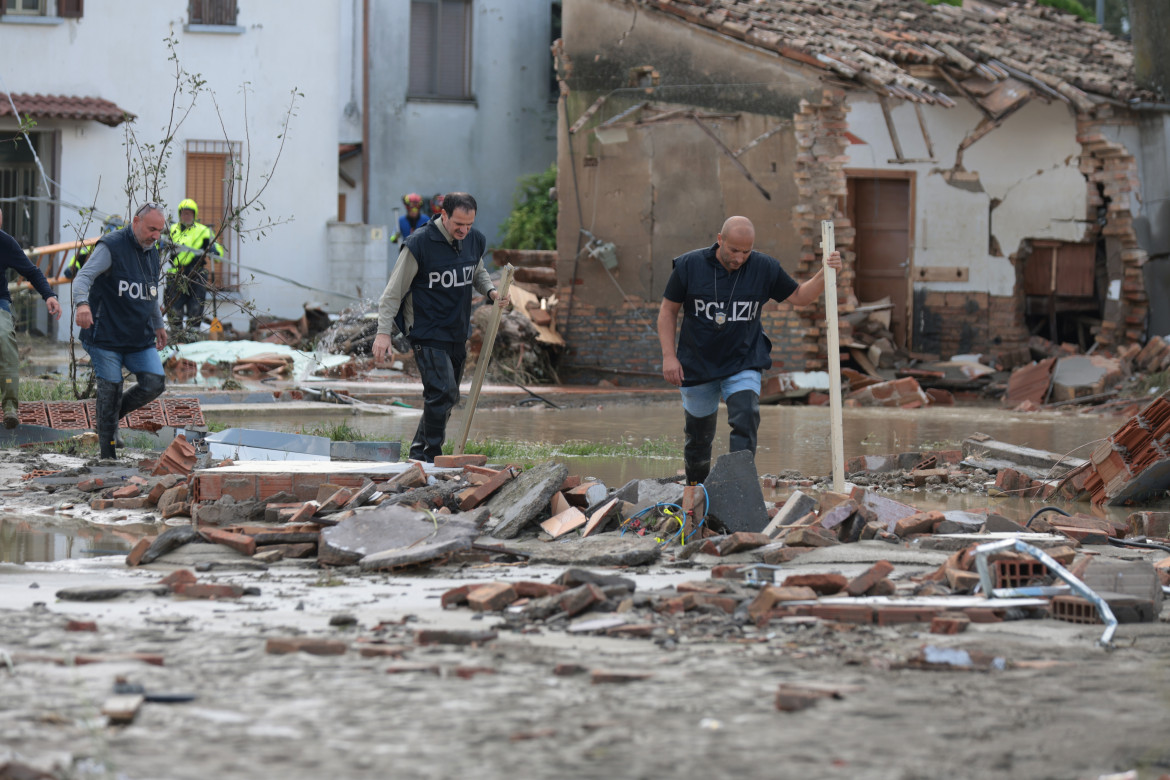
pixel 998 524
pixel 958 521
pixel 597 551
pixel 226 510
pixel 107 592
pixel 523 499
pixel 438 636
pixel 598 518
pixel 1081 375
pixel 733 487
pixel 798 505
pixel 1130 578
pixel 389 536
pixel 887 510
pixel 1026 459
pixel 171 539
pixel 643 493
pixel 571 578
pixel 560 524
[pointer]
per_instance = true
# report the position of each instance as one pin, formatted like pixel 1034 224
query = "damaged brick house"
pixel 992 171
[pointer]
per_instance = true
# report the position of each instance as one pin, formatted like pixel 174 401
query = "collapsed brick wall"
pixel 1114 168
pixel 625 339
pixel 956 323
pixel 820 177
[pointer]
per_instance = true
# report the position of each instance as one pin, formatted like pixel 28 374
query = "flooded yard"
pixel 791 437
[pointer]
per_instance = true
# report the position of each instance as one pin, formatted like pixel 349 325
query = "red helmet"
pixel 413 200
pixel 436 204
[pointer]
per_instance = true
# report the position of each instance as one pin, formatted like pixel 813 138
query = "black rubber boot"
pixel 698 433
pixel 149 387
pixel 440 371
pixel 109 400
pixel 743 415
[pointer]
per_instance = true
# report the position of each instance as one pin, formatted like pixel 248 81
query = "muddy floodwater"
pixel 791 437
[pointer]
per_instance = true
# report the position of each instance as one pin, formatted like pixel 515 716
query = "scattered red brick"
pixel 862 583
pixel 949 623
pixel 459 461
pixel 310 645
pixel 823 584
pixel 491 597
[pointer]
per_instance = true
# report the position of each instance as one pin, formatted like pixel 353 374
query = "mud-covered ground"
pixel 1061 707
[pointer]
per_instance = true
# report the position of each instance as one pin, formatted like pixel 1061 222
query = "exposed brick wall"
pixel 624 339
pixel 820 176
pixel 1113 167
pixel 955 323
pixel 621 338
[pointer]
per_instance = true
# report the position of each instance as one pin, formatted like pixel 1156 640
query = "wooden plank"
pixel 828 246
pixel 123 708
pixel 941 273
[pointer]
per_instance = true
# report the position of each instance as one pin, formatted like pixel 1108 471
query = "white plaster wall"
pixel 349 72
pixel 117 52
pixel 1029 164
pixel 481 146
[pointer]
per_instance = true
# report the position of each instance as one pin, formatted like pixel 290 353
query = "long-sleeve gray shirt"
pixel 397 292
pixel 98 263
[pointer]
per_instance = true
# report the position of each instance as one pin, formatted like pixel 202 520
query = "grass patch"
pixel 79 448
pixel 1151 383
pixel 338 432
pixel 539 452
pixel 214 426
pixel 46 390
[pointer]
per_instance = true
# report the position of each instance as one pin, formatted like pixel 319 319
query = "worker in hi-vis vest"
pixel 191 243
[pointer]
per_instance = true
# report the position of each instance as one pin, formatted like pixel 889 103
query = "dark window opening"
pixel 218 12
pixel 440 49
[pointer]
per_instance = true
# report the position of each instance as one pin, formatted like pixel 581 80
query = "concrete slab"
pixel 733 489
pixel 983 447
pixel 366 450
pixel 525 498
pixel 393 528
pixel 867 552
pixel 797 506
pixel 606 550
pixel 250 444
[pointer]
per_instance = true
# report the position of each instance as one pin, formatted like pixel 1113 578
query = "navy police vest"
pixel 442 289
pixel 124 298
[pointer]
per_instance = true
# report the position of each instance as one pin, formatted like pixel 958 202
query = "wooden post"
pixel 485 354
pixel 828 245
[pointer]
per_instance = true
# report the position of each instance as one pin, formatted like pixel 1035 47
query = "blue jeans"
pixel 107 363
pixel 703 400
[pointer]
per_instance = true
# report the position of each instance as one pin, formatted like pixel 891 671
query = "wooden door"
pixel 880 209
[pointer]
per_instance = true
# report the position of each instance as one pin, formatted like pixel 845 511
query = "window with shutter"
pixel 25 7
pixel 70 9
pixel 212 185
pixel 218 12
pixel 440 49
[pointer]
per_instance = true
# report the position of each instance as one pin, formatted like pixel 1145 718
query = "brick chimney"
pixel 1150 26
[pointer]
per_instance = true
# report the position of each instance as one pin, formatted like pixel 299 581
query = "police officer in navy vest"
pixel 722 348
pixel 116 306
pixel 429 293
pixel 12 256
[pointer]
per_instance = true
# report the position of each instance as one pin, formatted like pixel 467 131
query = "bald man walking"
pixel 722 347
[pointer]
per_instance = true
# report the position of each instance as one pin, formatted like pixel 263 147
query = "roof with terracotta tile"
pixel 65 107
pixel 889 45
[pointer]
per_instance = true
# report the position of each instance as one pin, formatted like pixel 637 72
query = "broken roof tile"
pixel 64 107
pixel 877 39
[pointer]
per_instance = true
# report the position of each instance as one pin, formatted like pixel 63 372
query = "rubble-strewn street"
pixel 466 618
